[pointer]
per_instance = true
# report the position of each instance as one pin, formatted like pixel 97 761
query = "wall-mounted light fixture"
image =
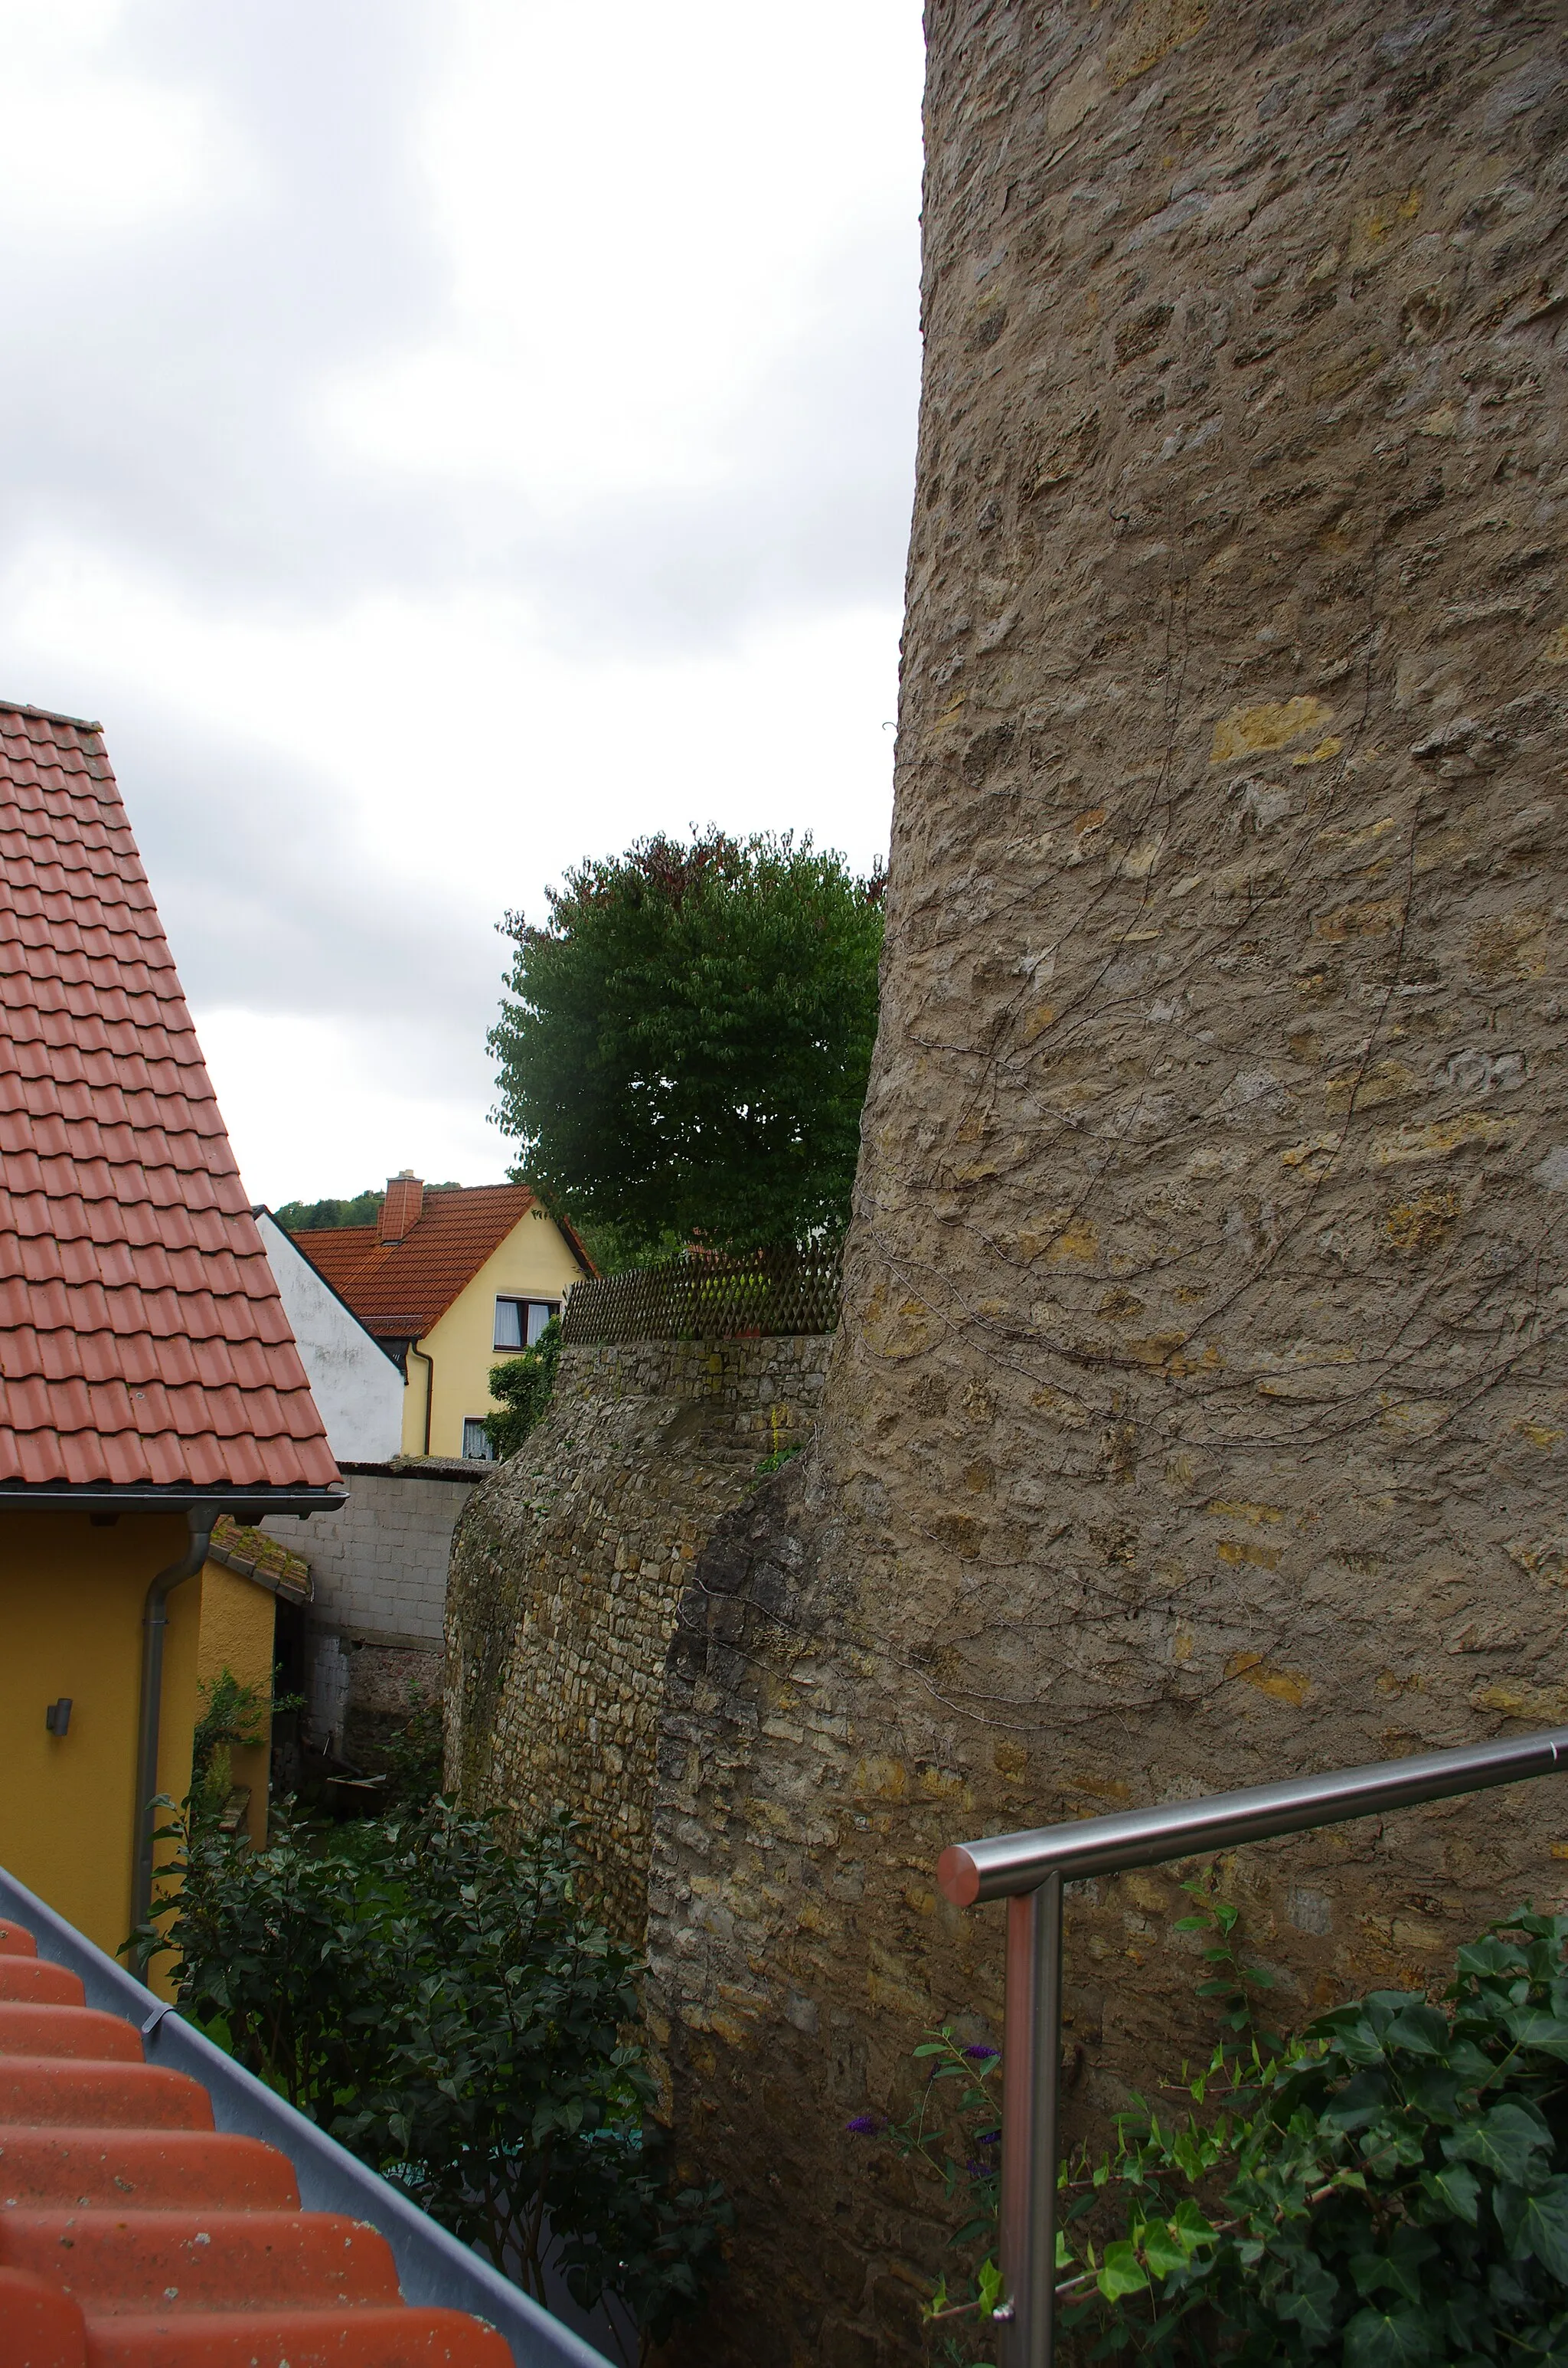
pixel 57 1717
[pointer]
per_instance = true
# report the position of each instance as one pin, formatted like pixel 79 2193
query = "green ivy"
pixel 952 2137
pixel 1388 2190
pixel 525 1386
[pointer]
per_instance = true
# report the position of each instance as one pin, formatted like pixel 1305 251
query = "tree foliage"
pixel 448 2009
pixel 684 1047
pixel 525 1386
pixel 321 1216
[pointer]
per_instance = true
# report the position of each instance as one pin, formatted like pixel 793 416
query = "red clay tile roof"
pixel 257 1554
pixel 134 2234
pixel 398 1290
pixel 142 1342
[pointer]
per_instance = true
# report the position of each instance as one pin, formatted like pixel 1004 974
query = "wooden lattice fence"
pixel 753 1295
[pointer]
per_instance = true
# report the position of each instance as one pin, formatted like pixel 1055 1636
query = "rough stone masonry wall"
pixel 567 1568
pixel 1199 1411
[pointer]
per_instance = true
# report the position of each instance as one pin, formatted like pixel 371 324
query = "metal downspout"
pixel 429 1365
pixel 155 1620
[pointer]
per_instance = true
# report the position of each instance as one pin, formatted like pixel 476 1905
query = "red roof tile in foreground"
pixel 133 2234
pixel 142 1342
pixel 398 1290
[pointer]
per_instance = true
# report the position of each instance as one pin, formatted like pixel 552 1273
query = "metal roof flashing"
pixel 434 2270
pixel 247 1505
pixel 49 715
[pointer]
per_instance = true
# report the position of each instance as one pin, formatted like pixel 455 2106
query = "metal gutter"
pixel 247 1505
pixel 429 1364
pixel 155 1626
pixel 433 2268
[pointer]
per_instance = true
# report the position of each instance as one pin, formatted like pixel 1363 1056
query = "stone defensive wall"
pixel 1199 1413
pixel 567 1568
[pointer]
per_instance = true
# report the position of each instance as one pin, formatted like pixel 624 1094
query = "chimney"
pixel 402 1207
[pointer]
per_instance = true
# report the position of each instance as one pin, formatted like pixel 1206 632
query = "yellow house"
pixel 149 1381
pixel 449 1278
pixel 76 1586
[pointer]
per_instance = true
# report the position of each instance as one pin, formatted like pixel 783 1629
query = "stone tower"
pixel 1198 1410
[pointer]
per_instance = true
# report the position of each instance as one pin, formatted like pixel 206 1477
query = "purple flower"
pixel 979 2054
pixel 864 2126
pixel 987 2137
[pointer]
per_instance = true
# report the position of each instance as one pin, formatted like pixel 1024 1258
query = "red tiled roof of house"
pixel 142 1342
pixel 398 1290
pixel 134 2234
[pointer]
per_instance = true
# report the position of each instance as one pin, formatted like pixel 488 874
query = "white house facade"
pixel 356 1385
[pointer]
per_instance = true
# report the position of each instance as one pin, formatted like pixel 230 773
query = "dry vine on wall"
pixel 1199 1408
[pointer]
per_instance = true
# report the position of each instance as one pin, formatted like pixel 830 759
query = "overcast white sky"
pixel 443 438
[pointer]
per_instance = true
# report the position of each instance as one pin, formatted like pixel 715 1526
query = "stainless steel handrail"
pixel 1029 1871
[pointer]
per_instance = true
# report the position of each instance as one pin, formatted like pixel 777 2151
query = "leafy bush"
pixel 953 2136
pixel 1389 2189
pixel 230 1715
pixel 447 2010
pixel 525 1386
pixel 1392 2188
pixel 410 1755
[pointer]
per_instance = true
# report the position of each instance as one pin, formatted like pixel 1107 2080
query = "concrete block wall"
pixel 379 1567
pixel 379 1574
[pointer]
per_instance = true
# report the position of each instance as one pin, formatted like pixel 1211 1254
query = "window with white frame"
pixel 476 1441
pixel 519 1322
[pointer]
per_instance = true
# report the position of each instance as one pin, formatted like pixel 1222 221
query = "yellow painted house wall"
pixel 71 1602
pixel 233 1629
pixel 533 1263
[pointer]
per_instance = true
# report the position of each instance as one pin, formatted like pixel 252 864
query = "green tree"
pixel 683 1046
pixel 322 1216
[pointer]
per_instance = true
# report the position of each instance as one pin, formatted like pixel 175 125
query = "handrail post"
pixel 1029 1871
pixel 1031 2079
